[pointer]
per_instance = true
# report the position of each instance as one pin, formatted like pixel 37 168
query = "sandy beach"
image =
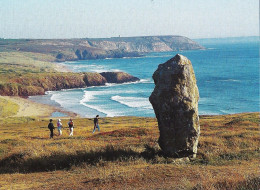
pixel 28 108
pixel 59 67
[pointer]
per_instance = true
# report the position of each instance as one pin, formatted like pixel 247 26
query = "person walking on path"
pixel 59 126
pixel 96 125
pixel 51 128
pixel 71 126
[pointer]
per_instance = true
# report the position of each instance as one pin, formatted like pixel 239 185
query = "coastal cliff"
pixel 99 48
pixel 144 44
pixel 37 84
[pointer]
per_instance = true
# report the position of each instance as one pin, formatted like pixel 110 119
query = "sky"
pixel 111 18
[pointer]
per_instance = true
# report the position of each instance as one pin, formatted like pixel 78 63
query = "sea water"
pixel 227 74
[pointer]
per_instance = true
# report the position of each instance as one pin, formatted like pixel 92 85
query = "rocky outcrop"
pixel 118 77
pixel 175 103
pixel 85 54
pixel 94 79
pixel 38 84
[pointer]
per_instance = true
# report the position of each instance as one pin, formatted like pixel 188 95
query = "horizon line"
pixel 199 38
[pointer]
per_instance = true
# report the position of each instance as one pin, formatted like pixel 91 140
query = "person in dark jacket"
pixel 96 124
pixel 51 127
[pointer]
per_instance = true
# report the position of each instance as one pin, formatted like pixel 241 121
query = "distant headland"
pixel 99 48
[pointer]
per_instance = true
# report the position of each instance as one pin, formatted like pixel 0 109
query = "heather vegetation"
pixel 125 155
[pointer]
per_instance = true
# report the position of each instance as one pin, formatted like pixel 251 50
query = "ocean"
pixel 227 74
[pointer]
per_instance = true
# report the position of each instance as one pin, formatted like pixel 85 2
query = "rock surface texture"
pixel 175 103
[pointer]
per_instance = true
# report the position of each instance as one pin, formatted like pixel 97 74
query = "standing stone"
pixel 175 103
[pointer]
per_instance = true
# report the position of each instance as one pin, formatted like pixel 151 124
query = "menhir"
pixel 175 103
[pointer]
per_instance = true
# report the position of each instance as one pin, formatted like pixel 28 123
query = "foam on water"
pixel 230 80
pixel 89 98
pixel 57 98
pixel 64 100
pixel 133 102
pixel 147 81
pixel 107 113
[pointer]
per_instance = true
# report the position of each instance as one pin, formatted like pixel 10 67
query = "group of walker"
pixel 70 125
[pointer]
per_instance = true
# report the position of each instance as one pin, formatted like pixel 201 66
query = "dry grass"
pixel 24 62
pixel 8 108
pixel 125 155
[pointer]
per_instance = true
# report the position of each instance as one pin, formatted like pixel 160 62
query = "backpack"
pixel 70 123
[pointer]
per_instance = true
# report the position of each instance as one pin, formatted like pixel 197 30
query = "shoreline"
pixel 29 108
pixel 60 67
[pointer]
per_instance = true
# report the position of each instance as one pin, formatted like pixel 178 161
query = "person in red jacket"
pixel 71 126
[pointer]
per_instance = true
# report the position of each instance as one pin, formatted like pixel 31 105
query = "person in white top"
pixel 59 126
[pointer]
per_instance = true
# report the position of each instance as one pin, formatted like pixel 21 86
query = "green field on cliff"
pixel 15 65
pixel 125 155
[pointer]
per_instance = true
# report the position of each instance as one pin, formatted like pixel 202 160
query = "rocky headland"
pixel 37 84
pixel 99 48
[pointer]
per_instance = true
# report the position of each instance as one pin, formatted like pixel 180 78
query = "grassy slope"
pixel 25 62
pixel 15 64
pixel 125 155
pixel 8 108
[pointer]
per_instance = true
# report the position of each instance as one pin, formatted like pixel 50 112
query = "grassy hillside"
pixel 24 62
pixel 7 108
pixel 125 155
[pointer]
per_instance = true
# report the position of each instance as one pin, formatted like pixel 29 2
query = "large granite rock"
pixel 175 103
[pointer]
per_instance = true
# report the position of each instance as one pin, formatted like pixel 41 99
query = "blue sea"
pixel 227 74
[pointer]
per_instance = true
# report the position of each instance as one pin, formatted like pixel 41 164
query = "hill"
pixel 125 155
pixel 98 48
